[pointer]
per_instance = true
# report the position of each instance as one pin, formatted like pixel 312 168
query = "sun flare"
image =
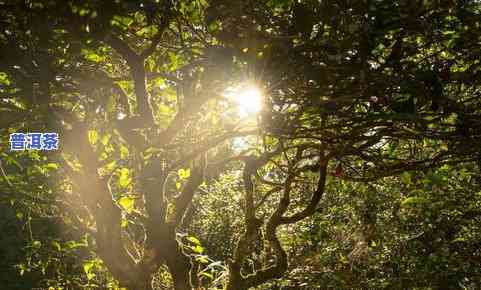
pixel 248 99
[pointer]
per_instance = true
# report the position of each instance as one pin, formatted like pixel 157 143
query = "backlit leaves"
pixel 124 177
pixel 127 203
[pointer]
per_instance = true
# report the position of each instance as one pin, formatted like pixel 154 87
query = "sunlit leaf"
pixel 127 203
pixel 92 56
pixel 202 259
pixel 124 152
pixel 93 136
pixel 56 245
pixel 88 269
pixel 207 274
pixel 184 173
pixel 124 178
pixel 193 240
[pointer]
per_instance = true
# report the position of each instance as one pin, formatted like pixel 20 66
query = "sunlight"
pixel 247 98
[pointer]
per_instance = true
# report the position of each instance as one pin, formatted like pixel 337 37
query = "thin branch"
pixel 310 209
pixel 136 65
pixel 209 144
pixel 155 42
pixel 123 49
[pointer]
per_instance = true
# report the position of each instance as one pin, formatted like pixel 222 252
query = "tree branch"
pixel 210 143
pixel 98 200
pixel 164 23
pixel 184 199
pixel 310 209
pixel 278 269
pixel 136 65
pixel 155 41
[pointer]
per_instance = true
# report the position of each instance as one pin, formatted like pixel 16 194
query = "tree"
pixel 358 92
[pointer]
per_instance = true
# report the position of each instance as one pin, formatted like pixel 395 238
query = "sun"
pixel 248 99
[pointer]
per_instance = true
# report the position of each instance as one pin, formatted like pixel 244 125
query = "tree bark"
pixel 179 267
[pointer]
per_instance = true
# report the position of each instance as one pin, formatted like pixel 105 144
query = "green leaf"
pixel 105 139
pixel 93 136
pixel 110 166
pixel 57 245
pixel 124 152
pixel 124 178
pixel 160 82
pixel 413 201
pixel 127 203
pixel 198 249
pixel 88 269
pixel 36 244
pixel 4 79
pixel 202 260
pixel 51 166
pixel 83 12
pixel 184 173
pixel 193 240
pixel 139 17
pixel 207 274
pixel 147 31
pixel 92 56
pixel 122 21
pixel 174 61
pixel 74 245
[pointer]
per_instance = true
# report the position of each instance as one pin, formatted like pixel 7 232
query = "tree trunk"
pixel 178 263
pixel 179 267
pixel 235 278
